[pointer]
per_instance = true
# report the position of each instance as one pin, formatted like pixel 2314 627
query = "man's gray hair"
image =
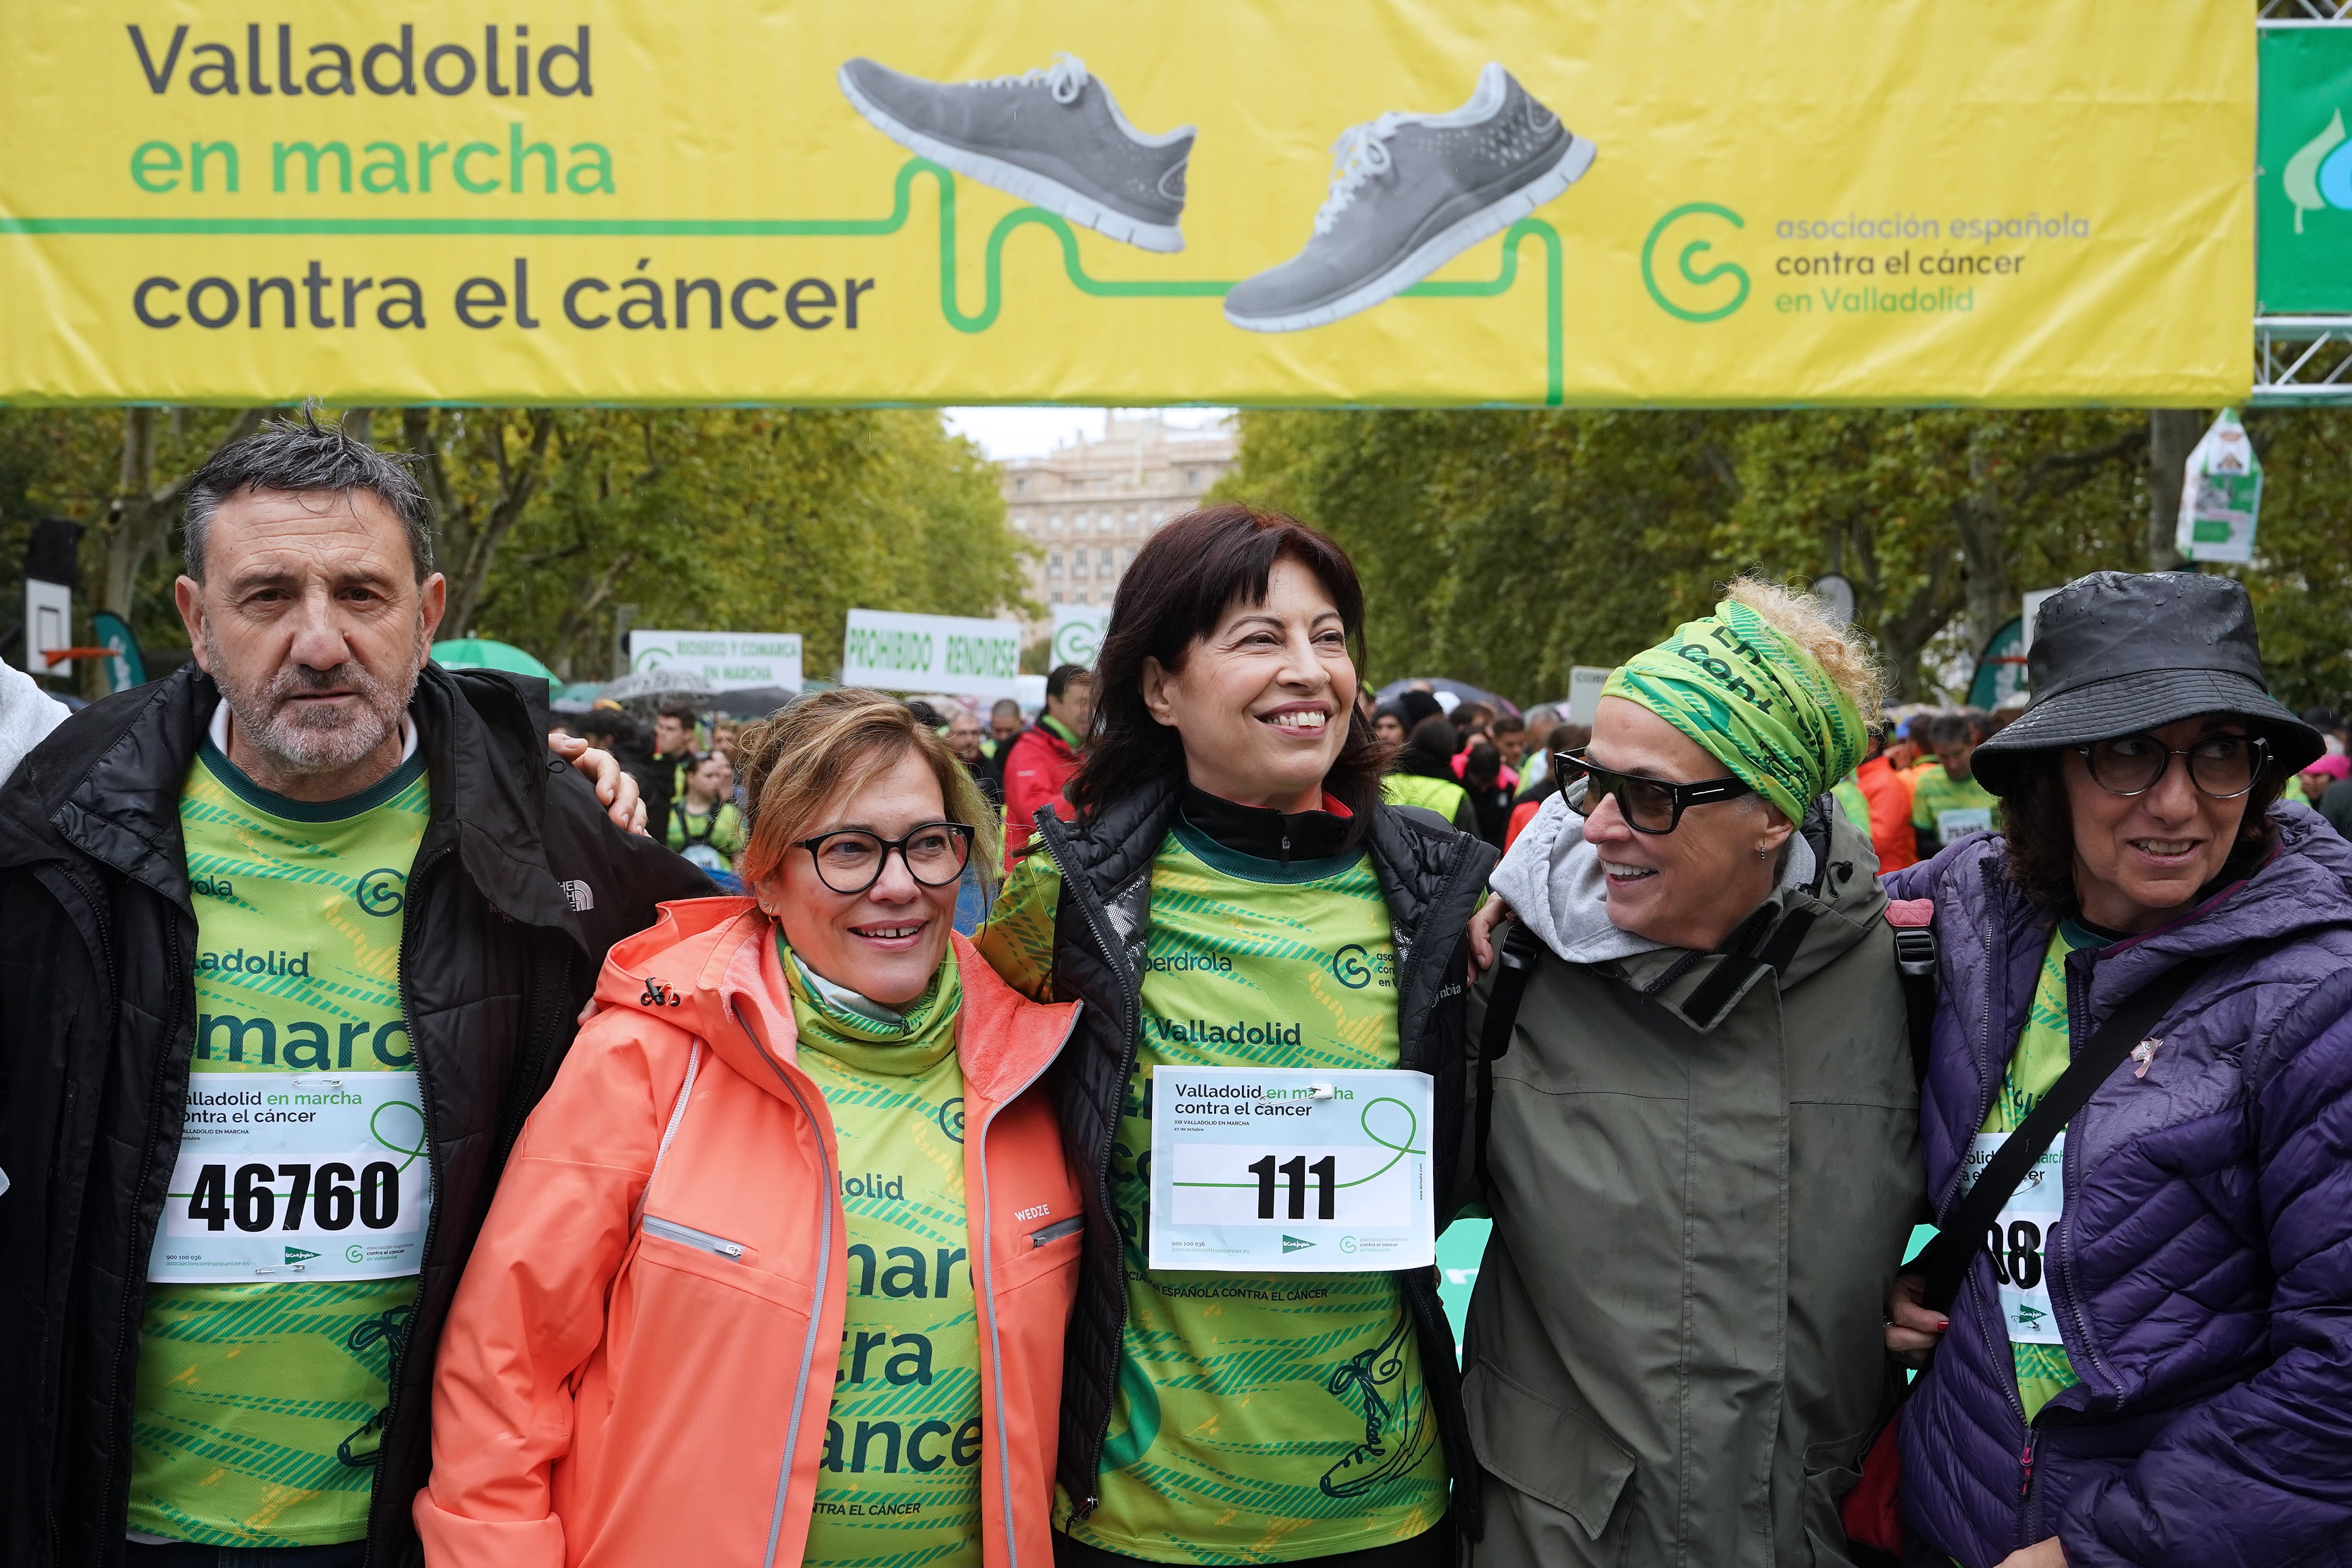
pixel 300 455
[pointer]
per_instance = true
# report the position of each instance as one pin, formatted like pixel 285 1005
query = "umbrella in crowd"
pixel 1460 690
pixel 481 653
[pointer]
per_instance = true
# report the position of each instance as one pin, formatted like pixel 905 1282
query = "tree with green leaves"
pixel 1502 547
pixel 743 520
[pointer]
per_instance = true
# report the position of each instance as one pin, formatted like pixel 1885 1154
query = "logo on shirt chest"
pixel 381 892
pixel 212 888
pixel 1356 967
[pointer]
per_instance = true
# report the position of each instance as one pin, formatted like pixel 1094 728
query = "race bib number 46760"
pixel 308 1175
pixel 1300 1171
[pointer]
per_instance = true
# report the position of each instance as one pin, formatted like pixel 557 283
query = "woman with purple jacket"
pixel 2156 1365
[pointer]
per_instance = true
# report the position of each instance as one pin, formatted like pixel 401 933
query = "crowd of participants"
pixel 415 1155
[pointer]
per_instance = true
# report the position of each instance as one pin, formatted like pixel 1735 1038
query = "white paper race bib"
pixel 1951 826
pixel 1291 1171
pixel 2018 1235
pixel 296 1175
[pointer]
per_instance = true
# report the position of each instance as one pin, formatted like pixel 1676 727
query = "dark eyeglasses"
pixel 850 859
pixel 2222 767
pixel 1648 805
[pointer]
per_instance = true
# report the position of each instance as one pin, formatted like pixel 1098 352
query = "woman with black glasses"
pixel 780 1268
pixel 2155 1366
pixel 1698 1142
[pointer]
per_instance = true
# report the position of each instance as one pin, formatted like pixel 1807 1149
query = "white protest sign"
pixel 730 661
pixel 1077 631
pixel 1584 684
pixel 1291 1170
pixel 2031 612
pixel 48 624
pixel 897 652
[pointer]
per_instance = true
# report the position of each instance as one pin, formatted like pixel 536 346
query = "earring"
pixel 1763 853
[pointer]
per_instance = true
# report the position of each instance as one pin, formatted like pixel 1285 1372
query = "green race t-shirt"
pixel 899 1483
pixel 1258 1419
pixel 1951 808
pixel 2044 1047
pixel 253 1422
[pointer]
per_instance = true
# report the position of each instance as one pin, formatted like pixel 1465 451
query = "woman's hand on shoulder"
pixel 1913 1331
pixel 1491 913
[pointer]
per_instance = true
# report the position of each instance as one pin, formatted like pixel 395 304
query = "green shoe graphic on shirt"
pixel 1394 1434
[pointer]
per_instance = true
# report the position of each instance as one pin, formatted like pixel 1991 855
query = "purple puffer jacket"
pixel 2202 1276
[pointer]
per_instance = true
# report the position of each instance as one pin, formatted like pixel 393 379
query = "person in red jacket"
pixel 1887 789
pixel 1043 757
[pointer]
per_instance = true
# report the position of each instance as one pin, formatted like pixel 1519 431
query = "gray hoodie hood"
pixel 1552 880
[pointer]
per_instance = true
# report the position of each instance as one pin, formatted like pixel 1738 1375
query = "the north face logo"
pixel 579 896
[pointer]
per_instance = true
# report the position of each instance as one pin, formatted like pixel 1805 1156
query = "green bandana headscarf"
pixel 1760 705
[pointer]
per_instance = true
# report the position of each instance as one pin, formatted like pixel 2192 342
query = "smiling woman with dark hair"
pixel 1231 858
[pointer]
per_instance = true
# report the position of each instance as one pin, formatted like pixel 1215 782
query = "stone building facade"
pixel 1090 505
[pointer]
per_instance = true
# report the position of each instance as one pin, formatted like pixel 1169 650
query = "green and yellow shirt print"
pixel 2044 1050
pixel 285 1269
pixel 1258 1419
pixel 899 1483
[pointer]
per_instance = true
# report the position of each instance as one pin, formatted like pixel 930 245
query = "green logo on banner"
pixel 1696 244
pixel 1292 1243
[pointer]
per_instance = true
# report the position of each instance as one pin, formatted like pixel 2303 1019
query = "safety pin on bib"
pixel 1319 1091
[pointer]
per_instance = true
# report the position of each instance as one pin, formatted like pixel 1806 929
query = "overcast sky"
pixel 1005 433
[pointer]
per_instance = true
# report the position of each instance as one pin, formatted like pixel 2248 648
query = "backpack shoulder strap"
pixel 1918 962
pixel 1515 964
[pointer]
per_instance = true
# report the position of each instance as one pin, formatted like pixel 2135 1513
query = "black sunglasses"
pixel 1648 805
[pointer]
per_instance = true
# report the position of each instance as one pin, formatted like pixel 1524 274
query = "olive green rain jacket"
pixel 1703 1169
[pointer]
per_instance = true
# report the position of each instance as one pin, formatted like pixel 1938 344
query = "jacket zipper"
pixel 686 1236
pixel 988 1264
pixel 823 1283
pixel 1058 1230
pixel 398 1370
pixel 1131 1001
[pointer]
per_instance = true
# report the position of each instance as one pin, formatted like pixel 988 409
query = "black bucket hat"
pixel 2116 653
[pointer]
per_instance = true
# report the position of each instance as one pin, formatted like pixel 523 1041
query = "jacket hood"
pixel 1828 899
pixel 709 966
pixel 1552 880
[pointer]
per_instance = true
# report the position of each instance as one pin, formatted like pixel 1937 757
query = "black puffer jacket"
pixel 1433 878
pixel 518 886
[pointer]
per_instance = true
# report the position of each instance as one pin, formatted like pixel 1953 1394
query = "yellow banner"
pixel 1214 201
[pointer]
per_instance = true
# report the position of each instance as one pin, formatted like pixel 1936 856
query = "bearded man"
pixel 290 942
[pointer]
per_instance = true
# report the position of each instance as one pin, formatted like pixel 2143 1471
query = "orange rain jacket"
pixel 1889 795
pixel 638 1365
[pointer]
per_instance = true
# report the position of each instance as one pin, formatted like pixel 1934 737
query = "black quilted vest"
pixel 1432 877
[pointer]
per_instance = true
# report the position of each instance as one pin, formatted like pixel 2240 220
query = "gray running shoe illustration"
pixel 1054 137
pixel 1410 192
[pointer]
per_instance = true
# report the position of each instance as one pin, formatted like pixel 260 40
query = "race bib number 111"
pixel 1290 1171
